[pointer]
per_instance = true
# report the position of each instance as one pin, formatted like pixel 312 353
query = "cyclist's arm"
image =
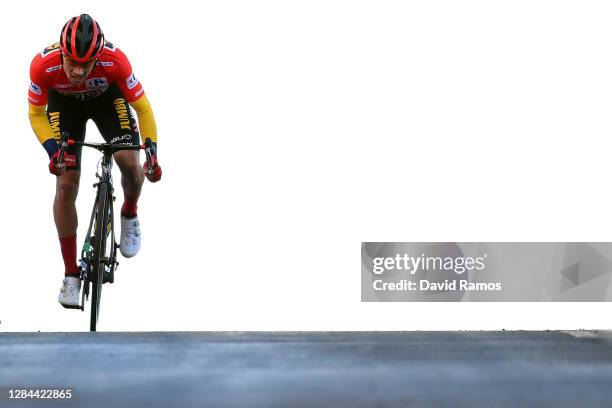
pixel 146 119
pixel 37 101
pixel 134 93
pixel 42 127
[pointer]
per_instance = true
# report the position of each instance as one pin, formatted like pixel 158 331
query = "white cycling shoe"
pixel 69 292
pixel 130 237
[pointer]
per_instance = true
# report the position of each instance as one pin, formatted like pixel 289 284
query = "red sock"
pixel 130 206
pixel 68 245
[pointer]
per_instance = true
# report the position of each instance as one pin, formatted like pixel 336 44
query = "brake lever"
pixel 148 146
pixel 149 161
pixel 63 147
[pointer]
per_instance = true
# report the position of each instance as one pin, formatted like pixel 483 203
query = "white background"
pixel 292 131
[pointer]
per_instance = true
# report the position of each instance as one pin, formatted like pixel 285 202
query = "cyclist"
pixel 84 77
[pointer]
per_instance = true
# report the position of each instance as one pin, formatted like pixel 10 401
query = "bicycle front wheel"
pixel 99 258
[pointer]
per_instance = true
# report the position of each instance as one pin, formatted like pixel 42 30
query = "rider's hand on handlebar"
pixel 157 171
pixel 54 167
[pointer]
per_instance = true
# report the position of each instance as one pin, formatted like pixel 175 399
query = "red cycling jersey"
pixel 112 67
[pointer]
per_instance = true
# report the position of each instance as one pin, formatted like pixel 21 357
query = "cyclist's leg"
pixel 62 113
pixel 64 209
pixel 132 178
pixel 65 216
pixel 117 124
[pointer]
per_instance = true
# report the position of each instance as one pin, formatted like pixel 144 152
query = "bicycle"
pixel 99 253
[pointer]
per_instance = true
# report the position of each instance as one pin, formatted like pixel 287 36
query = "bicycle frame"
pixel 99 261
pixel 111 263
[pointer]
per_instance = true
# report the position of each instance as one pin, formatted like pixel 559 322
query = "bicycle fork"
pixel 85 263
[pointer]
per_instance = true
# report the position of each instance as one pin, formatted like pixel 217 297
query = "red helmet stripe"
pixel 101 46
pixel 101 40
pixel 93 42
pixel 63 42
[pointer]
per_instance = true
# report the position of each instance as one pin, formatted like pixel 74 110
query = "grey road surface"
pixel 266 369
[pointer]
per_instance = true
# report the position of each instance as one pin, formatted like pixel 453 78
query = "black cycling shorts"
pixel 110 112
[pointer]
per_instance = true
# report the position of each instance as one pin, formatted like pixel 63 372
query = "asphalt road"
pixel 381 369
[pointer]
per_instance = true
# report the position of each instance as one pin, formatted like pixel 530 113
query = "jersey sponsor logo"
pixel 54 120
pixel 121 138
pixel 140 91
pixel 51 48
pixel 62 86
pixel 33 100
pixel 96 82
pixel 55 68
pixel 131 81
pixel 122 113
pixel 70 160
pixel 105 63
pixel 35 88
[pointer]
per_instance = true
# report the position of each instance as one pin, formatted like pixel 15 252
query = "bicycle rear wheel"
pixel 99 258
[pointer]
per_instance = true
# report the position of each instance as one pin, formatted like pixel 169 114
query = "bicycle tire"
pixel 97 276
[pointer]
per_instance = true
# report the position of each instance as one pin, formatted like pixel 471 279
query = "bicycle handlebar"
pixel 107 148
